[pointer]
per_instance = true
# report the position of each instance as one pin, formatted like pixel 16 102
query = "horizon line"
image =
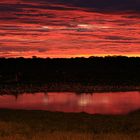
pixel 101 56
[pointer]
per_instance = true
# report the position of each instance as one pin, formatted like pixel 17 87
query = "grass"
pixel 43 125
pixel 73 136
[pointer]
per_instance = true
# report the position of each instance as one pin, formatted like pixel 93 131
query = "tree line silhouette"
pixel 96 70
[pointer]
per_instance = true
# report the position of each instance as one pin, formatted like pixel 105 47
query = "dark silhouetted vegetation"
pixel 117 70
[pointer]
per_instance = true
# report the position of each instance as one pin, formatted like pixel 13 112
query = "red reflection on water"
pixel 97 103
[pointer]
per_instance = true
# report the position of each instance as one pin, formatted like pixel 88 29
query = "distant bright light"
pixel 46 27
pixel 86 26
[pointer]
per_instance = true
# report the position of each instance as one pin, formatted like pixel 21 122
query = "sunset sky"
pixel 69 28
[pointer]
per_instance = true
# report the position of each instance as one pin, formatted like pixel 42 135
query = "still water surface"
pixel 96 103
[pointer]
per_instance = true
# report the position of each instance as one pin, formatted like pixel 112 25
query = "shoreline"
pixel 64 87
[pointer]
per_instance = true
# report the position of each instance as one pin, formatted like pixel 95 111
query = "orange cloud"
pixel 51 30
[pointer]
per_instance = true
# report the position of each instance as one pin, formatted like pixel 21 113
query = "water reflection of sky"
pixel 97 103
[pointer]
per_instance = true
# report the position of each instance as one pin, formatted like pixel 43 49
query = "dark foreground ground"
pixel 43 125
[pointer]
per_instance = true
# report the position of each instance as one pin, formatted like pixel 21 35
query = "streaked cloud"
pixel 66 29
